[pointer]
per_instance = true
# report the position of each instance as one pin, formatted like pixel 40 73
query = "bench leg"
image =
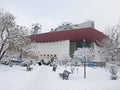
pixel 65 78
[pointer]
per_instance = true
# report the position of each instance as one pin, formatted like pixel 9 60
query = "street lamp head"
pixel 84 40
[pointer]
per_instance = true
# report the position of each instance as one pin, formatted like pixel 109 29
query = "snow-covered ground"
pixel 43 78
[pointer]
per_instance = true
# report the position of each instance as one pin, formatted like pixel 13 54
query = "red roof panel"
pixel 89 34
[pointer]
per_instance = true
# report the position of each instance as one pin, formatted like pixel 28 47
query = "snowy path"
pixel 49 80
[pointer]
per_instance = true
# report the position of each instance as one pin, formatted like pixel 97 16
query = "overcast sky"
pixel 51 13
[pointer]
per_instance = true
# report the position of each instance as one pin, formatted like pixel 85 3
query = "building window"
pixel 83 44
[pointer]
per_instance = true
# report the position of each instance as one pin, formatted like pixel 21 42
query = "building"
pixel 63 43
pixel 69 26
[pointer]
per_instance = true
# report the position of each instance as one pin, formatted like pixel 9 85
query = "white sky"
pixel 51 13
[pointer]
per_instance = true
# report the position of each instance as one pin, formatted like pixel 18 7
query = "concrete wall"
pixel 69 26
pixel 88 24
pixel 49 49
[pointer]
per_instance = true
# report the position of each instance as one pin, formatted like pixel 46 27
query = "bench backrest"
pixel 66 72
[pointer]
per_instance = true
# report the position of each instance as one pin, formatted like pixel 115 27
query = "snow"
pixel 43 78
pixel 14 78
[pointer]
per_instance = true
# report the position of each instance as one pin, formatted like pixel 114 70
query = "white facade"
pixel 49 49
pixel 59 49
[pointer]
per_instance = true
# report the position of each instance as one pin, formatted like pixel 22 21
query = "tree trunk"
pixel 21 54
pixel 3 54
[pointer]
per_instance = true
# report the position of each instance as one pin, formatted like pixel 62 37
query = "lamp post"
pixel 84 60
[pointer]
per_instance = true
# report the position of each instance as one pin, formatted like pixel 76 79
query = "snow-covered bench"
pixel 65 74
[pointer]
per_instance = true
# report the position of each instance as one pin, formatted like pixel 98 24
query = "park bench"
pixel 65 74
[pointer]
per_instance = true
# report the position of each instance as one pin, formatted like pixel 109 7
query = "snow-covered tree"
pixel 35 28
pixel 12 36
pixel 84 53
pixel 110 46
pixel 18 40
pixel 6 24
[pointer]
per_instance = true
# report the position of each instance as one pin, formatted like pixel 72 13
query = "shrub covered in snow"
pixel 113 70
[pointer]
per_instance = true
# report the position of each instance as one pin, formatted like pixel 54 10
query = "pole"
pixel 84 68
pixel 84 61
